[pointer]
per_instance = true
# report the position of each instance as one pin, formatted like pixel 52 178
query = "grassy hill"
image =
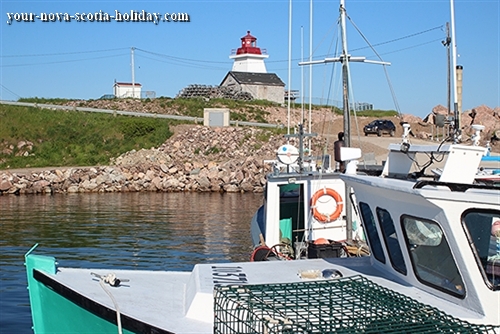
pixel 35 137
pixel 32 137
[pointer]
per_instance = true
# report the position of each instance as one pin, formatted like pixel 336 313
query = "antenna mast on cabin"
pixel 454 69
pixel 345 58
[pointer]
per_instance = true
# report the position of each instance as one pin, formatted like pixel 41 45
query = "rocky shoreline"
pixel 215 178
pixel 199 159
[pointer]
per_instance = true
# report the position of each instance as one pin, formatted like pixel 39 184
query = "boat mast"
pixel 454 70
pixel 344 59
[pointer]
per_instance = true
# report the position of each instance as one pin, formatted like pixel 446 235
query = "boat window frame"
pixel 375 245
pixel 390 247
pixel 410 248
pixel 299 218
pixel 473 247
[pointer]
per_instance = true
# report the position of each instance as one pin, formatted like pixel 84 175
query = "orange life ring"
pixel 321 216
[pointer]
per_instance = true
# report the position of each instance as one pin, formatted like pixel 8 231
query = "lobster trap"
pixel 347 305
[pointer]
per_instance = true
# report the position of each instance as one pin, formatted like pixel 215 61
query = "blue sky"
pixel 83 59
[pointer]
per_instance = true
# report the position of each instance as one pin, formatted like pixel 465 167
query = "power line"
pixel 413 46
pixel 378 44
pixel 182 59
pixel 400 38
pixel 61 53
pixel 9 90
pixel 63 61
pixel 188 62
pixel 181 63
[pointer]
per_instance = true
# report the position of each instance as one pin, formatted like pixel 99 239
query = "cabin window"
pixel 371 232
pixel 391 240
pixel 431 256
pixel 483 230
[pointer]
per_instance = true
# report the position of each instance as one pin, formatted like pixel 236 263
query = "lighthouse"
pixel 249 57
pixel 249 77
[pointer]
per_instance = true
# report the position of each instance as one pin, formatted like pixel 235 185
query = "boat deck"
pixel 186 298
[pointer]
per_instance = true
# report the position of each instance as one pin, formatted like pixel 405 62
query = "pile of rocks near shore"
pixel 232 176
pixel 198 159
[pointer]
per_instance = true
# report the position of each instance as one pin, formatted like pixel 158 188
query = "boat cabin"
pixel 434 227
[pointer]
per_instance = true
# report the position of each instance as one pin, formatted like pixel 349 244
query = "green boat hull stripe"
pixel 95 308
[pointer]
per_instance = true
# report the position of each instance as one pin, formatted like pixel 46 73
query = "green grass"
pixel 71 138
pixel 377 113
pixel 43 100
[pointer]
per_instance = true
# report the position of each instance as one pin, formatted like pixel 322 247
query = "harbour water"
pixel 143 231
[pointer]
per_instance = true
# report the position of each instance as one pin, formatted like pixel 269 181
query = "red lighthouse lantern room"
pixel 248 45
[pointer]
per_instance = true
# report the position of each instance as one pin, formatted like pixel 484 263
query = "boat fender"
pixel 325 218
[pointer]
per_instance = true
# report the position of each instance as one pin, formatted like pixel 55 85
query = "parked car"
pixel 107 97
pixel 379 127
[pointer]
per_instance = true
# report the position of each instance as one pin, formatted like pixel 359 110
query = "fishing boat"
pixel 434 266
pixel 305 213
pixel 307 210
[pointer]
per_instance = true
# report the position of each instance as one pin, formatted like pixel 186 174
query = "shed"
pixel 262 86
pixel 126 89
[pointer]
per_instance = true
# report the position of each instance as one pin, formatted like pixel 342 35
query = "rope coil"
pixel 114 281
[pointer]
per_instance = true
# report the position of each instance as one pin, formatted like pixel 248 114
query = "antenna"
pixel 447 43
pixel 345 58
pixel 289 62
pixel 310 68
pixel 302 74
pixel 454 67
pixel 301 136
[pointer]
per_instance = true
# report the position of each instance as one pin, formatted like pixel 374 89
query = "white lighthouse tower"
pixel 249 57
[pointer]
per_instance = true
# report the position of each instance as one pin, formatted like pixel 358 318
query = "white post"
pixel 302 74
pixel 289 61
pixel 310 68
pixel 133 74
pixel 454 68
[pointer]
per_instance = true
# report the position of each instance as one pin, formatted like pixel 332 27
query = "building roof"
pixel 127 84
pixel 251 78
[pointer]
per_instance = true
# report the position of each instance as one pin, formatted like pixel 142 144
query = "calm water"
pixel 156 231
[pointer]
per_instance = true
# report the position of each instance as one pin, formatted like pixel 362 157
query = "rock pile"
pixel 199 159
pixel 202 159
pixel 484 115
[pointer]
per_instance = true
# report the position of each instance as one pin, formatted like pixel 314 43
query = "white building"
pixel 249 73
pixel 262 86
pixel 126 89
pixel 249 57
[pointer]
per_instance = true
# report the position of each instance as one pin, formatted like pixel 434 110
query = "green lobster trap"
pixel 347 305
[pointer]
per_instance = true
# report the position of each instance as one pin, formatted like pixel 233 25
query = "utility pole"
pixel 133 74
